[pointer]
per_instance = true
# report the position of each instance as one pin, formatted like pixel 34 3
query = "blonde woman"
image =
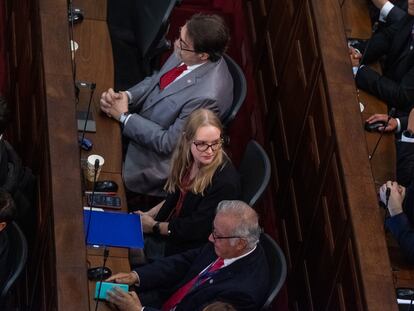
pixel 201 176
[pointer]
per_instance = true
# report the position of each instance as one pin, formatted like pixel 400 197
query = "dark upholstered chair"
pixel 277 266
pixel 17 257
pixel 239 90
pixel 254 170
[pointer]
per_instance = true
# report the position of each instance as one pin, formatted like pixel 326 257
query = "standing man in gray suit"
pixel 153 112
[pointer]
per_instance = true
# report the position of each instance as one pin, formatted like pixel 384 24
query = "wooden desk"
pixel 94 63
pixel 383 163
pixel 356 19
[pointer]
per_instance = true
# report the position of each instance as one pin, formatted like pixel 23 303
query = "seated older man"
pixel 231 268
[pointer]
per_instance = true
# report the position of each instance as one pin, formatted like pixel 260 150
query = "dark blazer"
pixel 192 228
pixel 398 12
pixel 158 118
pixel 401 225
pixel 244 284
pixel 405 163
pixel 396 85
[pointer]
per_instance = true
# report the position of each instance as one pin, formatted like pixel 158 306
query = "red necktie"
pixel 199 279
pixel 171 75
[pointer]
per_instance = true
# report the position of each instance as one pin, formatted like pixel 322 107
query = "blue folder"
pixel 113 229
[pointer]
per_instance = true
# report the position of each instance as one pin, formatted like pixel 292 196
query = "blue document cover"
pixel 113 229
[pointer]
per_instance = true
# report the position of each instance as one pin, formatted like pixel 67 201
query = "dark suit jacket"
pixel 192 228
pixel 244 283
pixel 398 12
pixel 396 85
pixel 405 163
pixel 158 118
pixel 401 225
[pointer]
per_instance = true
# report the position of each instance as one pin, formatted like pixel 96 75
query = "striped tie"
pixel 199 279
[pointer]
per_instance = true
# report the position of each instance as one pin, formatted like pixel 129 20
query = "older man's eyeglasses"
pixel 203 146
pixel 181 41
pixel 217 237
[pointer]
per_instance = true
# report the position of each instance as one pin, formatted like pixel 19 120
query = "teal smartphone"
pixel 106 287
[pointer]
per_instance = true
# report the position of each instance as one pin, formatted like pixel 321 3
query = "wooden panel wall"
pixel 44 132
pixel 330 226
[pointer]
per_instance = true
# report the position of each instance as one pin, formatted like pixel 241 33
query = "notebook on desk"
pixel 113 229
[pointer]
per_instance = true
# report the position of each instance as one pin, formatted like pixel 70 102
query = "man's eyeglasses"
pixel 217 237
pixel 181 41
pixel 203 146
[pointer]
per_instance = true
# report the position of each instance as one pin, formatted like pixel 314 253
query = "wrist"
pixel 123 117
pixel 135 277
pixel 156 228
pixel 395 212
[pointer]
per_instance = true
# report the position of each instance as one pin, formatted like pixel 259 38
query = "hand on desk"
pixel 114 104
pixel 392 124
pixel 124 301
pixel 124 278
pixel 355 56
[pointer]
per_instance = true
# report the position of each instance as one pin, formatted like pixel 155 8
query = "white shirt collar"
pixel 229 261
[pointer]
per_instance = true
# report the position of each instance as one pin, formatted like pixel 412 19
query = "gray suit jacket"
pixel 159 116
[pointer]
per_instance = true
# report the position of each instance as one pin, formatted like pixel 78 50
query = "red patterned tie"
pixel 171 75
pixel 199 279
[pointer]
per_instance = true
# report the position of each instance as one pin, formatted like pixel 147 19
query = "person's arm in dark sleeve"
pixel 397 94
pixel 379 44
pixel 395 15
pixel 402 230
pixel 166 272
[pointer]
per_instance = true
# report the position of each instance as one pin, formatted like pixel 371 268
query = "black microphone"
pixel 387 196
pixel 86 144
pixel 390 115
pixel 95 173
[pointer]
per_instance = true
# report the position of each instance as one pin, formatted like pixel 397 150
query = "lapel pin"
pixel 188 81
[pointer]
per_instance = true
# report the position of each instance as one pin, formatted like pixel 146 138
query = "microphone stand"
pixel 390 115
pixel 92 197
pixel 92 88
pixel 105 257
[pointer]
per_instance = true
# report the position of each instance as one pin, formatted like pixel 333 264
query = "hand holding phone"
pixel 102 292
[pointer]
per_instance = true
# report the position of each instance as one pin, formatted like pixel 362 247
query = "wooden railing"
pixel 45 134
pixel 331 227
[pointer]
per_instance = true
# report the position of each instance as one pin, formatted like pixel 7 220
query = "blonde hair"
pixel 182 159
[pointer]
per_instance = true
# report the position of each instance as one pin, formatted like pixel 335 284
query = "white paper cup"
pixel 90 167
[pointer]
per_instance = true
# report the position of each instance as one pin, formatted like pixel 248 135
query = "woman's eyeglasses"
pixel 203 146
